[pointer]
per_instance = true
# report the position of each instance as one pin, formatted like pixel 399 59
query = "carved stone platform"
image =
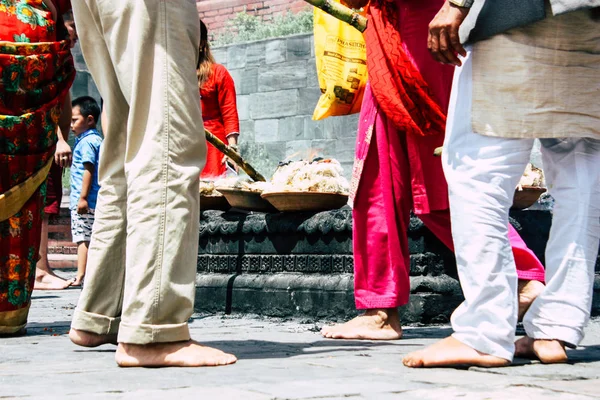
pixel 300 264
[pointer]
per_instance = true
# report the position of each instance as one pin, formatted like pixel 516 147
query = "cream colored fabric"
pixel 540 81
pixel 142 257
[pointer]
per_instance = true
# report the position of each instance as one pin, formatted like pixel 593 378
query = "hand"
pixel 63 155
pixel 356 4
pixel 231 163
pixel 443 41
pixel 83 206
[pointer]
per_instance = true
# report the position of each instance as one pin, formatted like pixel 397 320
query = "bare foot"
pixel 528 292
pixel 45 280
pixel 547 351
pixel 450 352
pixel 89 339
pixel 376 324
pixel 78 281
pixel 175 354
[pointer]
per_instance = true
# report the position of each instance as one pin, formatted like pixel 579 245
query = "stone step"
pixel 432 300
pixel 62 261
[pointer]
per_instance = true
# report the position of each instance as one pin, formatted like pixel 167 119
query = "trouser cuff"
pixel 571 336
pixel 145 334
pixel 95 323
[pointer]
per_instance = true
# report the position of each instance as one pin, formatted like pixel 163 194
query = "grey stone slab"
pixel 266 130
pixel 243 106
pixel 312 79
pixel 324 147
pixel 236 56
pixel 291 128
pixel 275 51
pixel 256 54
pixel 247 131
pixel 246 80
pixel 282 103
pixel 309 97
pixel 314 129
pixel 290 75
pixel 220 55
pixel 298 150
pixel 299 47
pixel 278 359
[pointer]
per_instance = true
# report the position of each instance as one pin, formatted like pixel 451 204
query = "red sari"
pixel 36 73
pixel 220 116
pixel 402 122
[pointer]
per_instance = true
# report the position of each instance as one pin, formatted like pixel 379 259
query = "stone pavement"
pixel 278 359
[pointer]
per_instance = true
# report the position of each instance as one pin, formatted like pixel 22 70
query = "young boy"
pixel 84 177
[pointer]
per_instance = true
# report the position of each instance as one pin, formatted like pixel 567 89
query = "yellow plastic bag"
pixel 341 57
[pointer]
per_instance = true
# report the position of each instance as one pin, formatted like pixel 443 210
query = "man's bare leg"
pixel 45 278
pixel 450 352
pixel 547 351
pixel 374 324
pixel 528 291
pixel 176 354
pixel 89 339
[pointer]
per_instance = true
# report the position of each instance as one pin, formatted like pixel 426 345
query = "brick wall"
pixel 216 13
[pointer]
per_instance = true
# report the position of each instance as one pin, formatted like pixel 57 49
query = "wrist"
pixel 462 3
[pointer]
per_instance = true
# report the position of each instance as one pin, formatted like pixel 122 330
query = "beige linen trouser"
pixel 142 257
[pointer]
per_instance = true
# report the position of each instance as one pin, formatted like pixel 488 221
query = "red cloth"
pixel 53 190
pixel 220 116
pixel 402 93
pixel 36 75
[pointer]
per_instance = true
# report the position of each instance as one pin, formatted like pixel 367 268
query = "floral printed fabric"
pixel 34 80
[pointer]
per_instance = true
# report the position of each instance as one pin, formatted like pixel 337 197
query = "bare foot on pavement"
pixel 450 352
pixel 89 339
pixel 376 324
pixel 48 280
pixel 175 354
pixel 547 351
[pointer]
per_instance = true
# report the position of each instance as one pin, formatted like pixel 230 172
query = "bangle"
pixel 462 3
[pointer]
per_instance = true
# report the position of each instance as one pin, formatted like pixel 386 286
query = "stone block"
pixel 291 128
pixel 236 56
pixel 312 79
pixel 80 85
pixel 220 55
pixel 263 156
pixel 246 80
pixel 299 47
pixel 78 59
pixel 282 103
pixel 298 150
pixel 243 106
pixel 255 54
pixel 344 150
pixel 247 131
pixel 314 129
pixel 275 51
pixel 333 127
pixel 282 76
pixel 266 130
pixel 308 99
pixel 324 148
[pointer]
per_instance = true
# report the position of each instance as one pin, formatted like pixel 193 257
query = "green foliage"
pixel 245 27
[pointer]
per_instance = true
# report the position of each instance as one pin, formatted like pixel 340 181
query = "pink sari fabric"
pixel 395 173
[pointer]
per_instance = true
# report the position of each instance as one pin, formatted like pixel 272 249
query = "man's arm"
pixel 63 154
pixel 86 186
pixel 444 41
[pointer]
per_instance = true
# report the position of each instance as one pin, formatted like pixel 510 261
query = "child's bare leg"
pixel 82 253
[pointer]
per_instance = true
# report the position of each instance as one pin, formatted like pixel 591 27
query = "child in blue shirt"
pixel 84 177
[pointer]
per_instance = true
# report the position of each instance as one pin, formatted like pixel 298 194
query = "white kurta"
pixel 540 81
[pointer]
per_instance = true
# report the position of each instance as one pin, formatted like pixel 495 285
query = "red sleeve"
pixel 227 101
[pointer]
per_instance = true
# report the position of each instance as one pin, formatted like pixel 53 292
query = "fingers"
pixel 455 42
pixel 63 160
pixel 447 50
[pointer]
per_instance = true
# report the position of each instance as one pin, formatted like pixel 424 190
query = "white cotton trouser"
pixel 482 174
pixel 142 257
